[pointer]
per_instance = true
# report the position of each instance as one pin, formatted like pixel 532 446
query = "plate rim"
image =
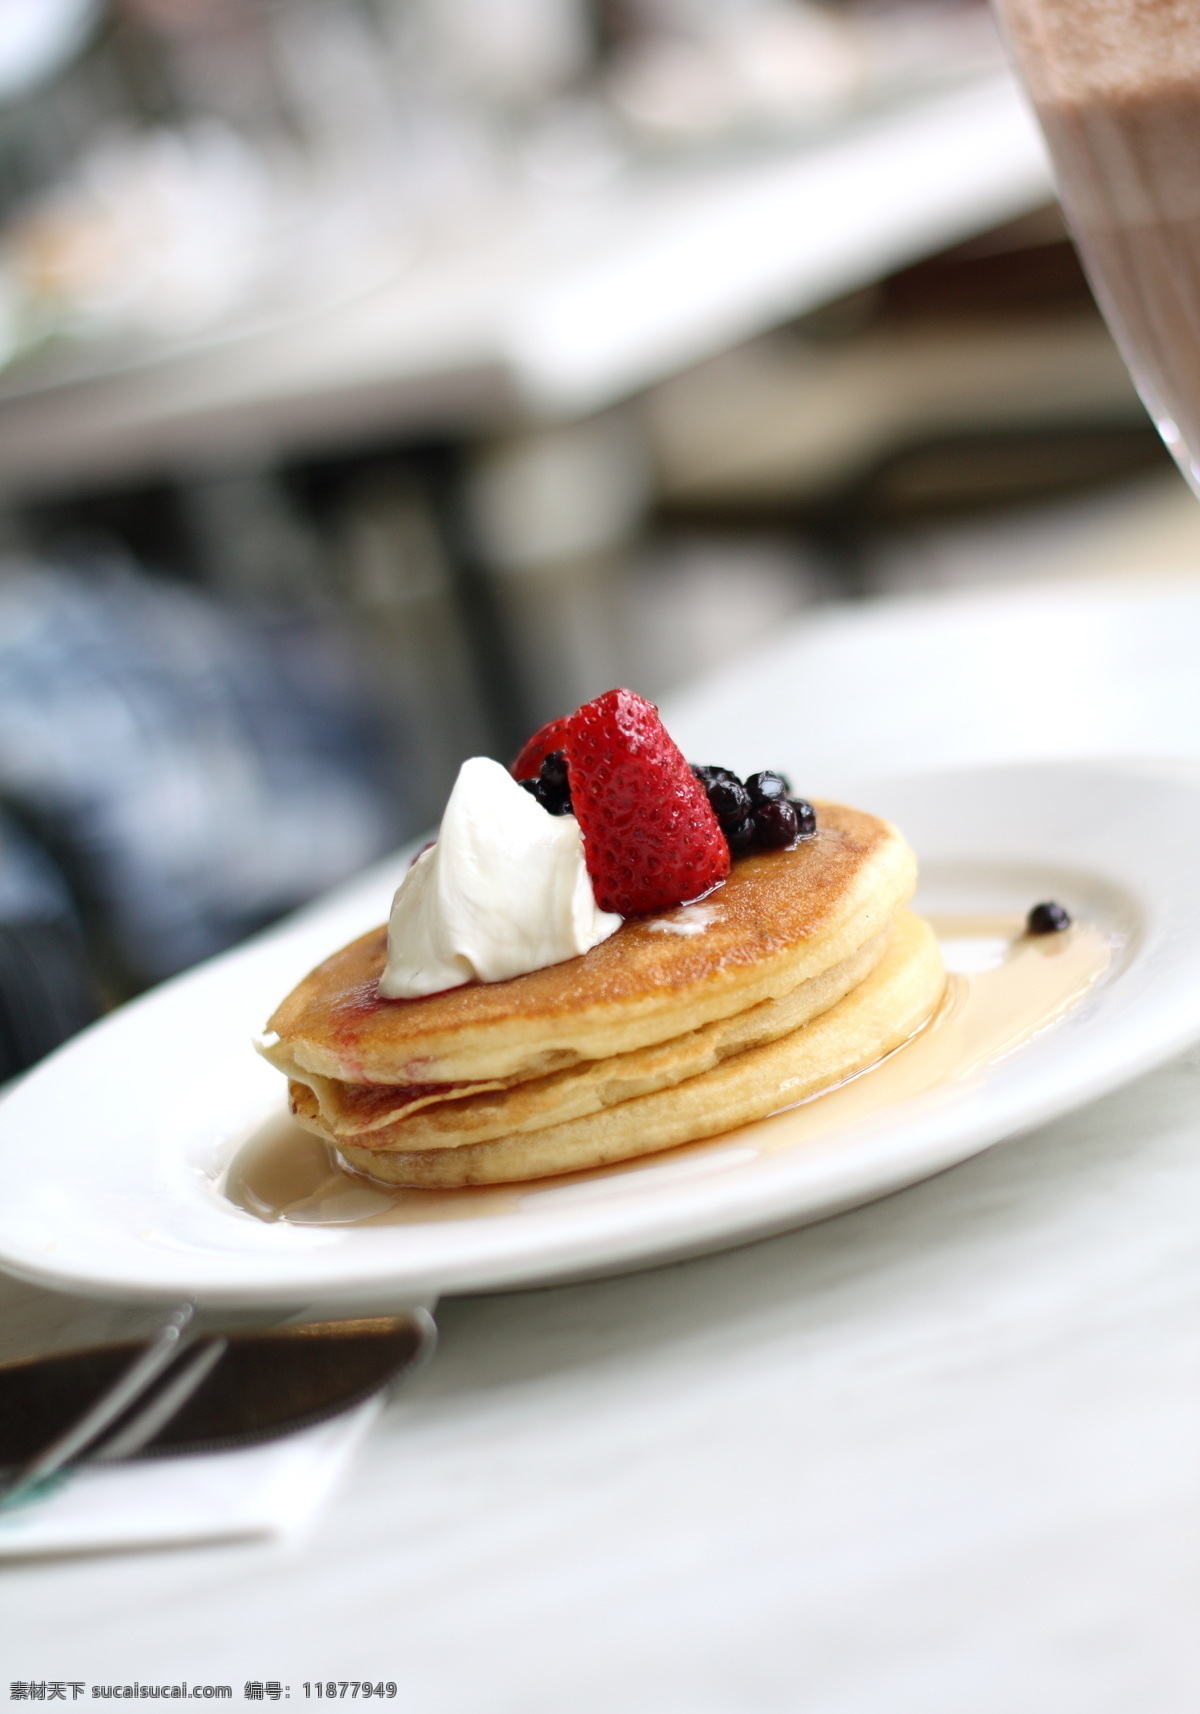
pixel 693 1216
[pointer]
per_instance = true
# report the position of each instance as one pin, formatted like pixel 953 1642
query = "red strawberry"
pixel 550 737
pixel 650 839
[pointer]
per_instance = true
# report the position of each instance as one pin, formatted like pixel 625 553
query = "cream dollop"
pixel 504 891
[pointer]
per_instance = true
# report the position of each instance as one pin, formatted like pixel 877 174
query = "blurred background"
pixel 380 378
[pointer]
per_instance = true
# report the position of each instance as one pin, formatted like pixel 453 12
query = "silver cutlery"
pixel 185 1390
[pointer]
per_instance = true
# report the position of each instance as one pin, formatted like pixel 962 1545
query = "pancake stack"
pixel 800 970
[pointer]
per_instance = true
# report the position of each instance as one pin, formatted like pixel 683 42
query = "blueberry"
pixel 743 837
pixel 767 787
pixel 776 824
pixel 1047 918
pixel 806 816
pixel 554 780
pixel 706 774
pixel 556 802
pixel 554 770
pixel 730 802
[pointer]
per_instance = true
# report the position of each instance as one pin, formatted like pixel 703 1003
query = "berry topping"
pixel 775 823
pixel 760 814
pixel 554 770
pixel 743 837
pixel 806 816
pixel 555 787
pixel 550 737
pixel 707 775
pixel 536 790
pixel 730 802
pixel 551 787
pixel 650 838
pixel 1047 918
pixel 767 787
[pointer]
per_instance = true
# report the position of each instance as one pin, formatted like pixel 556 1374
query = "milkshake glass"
pixel 1116 85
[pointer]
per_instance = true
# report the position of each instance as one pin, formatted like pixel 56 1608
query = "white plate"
pixel 112 1151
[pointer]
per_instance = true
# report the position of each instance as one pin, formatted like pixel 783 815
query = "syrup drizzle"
pixel 1003 987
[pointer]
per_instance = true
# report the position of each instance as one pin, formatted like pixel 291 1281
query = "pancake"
pixel 362 1115
pixel 876 1016
pixel 780 919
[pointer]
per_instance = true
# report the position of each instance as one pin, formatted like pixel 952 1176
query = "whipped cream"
pixel 504 891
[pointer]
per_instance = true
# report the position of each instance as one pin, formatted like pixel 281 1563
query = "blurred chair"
pixel 195 769
pixel 46 986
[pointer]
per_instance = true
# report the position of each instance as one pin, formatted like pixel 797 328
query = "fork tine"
pixel 159 1410
pixel 126 1390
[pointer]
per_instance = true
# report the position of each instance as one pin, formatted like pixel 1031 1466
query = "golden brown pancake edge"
pixel 880 1014
pixel 356 1114
pixel 782 917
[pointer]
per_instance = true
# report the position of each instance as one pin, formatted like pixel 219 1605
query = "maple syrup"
pixel 1003 987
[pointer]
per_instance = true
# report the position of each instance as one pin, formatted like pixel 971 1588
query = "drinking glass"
pixel 1116 86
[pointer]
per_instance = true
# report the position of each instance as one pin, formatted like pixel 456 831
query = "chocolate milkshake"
pixel 1116 84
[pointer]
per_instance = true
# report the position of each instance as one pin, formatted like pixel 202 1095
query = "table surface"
pixel 935 1455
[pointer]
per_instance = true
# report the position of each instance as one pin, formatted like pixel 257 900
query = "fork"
pixel 164 1347
pixel 275 1381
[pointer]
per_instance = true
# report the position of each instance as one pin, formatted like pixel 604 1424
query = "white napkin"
pixel 270 1490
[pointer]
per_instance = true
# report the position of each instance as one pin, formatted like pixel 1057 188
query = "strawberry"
pixel 550 737
pixel 650 838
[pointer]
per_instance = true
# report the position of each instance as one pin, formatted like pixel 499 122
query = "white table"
pixel 938 1455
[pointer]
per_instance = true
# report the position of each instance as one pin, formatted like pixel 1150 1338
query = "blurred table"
pixel 935 1455
pixel 551 311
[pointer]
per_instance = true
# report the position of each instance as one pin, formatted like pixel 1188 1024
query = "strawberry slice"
pixel 551 736
pixel 650 839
